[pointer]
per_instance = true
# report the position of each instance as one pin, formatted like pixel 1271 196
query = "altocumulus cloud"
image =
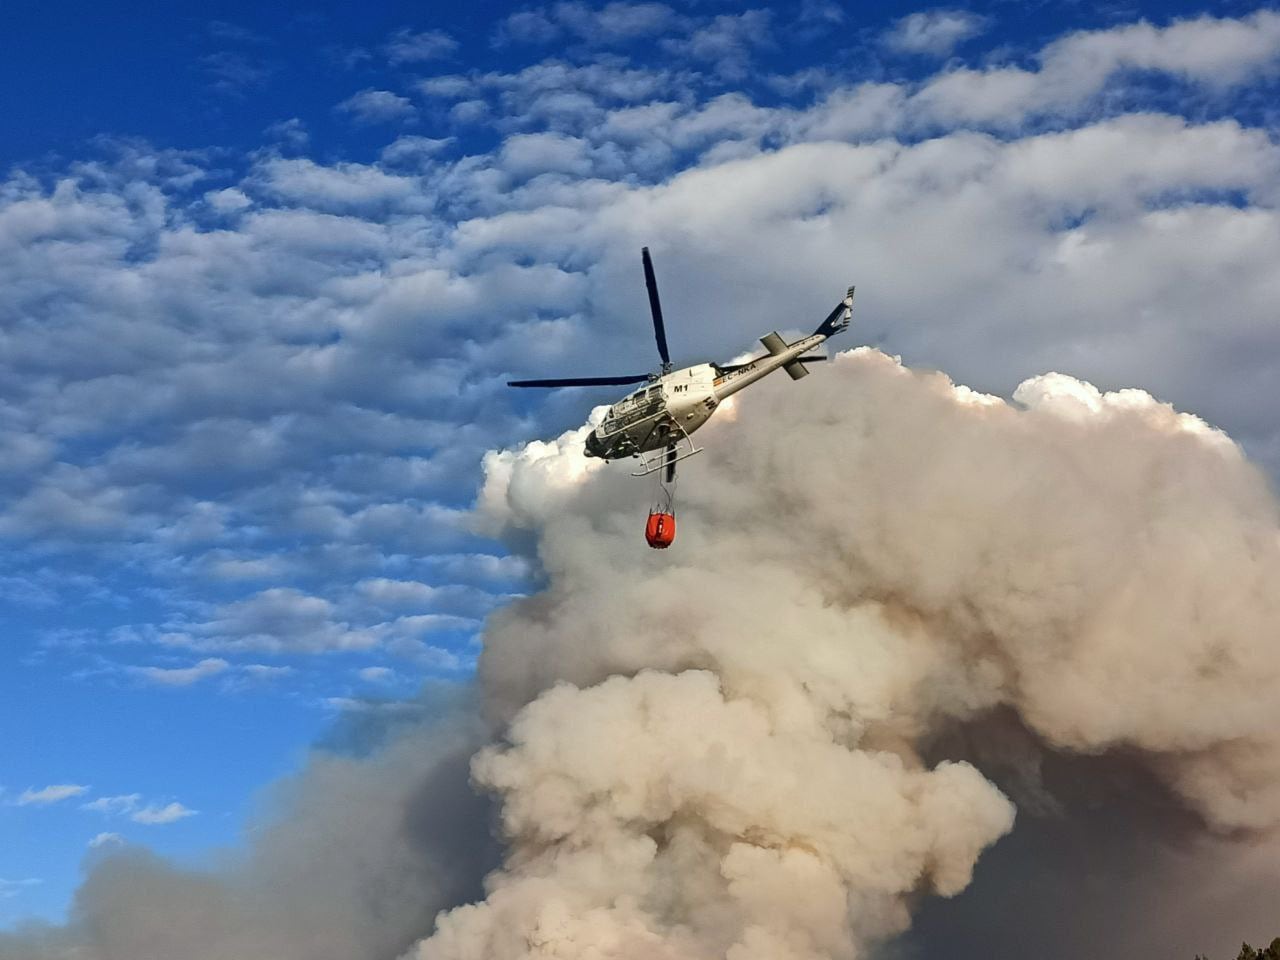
pixel 294 372
pixel 376 106
pixel 182 676
pixel 131 805
pixel 54 793
pixel 168 813
pixel 933 32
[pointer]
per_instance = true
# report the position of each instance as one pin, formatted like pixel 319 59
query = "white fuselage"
pixel 679 402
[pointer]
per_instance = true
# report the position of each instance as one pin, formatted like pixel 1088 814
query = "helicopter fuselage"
pixel 676 404
pixel 661 415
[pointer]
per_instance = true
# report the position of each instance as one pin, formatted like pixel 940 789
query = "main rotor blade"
pixel 580 381
pixel 655 307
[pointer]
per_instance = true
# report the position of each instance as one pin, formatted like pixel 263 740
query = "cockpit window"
pixel 643 404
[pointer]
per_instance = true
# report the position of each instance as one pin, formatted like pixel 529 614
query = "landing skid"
pixel 654 460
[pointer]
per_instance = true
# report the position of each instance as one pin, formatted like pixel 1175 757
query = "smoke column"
pixel 896 609
pixel 352 861
pixel 738 748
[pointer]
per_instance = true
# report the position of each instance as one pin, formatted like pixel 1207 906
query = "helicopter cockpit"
pixel 634 407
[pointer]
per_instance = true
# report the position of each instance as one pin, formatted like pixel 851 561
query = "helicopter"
pixel 655 423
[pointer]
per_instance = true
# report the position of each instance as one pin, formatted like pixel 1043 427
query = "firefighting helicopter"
pixel 655 423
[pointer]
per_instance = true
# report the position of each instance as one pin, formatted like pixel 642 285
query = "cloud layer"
pixel 263 386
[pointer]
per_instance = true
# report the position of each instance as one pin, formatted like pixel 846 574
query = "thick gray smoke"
pixel 895 609
pixel 730 749
pixel 354 860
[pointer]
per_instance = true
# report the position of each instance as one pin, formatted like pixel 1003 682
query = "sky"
pixel 263 275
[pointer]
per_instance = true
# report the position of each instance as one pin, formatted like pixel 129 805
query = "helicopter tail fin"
pixel 839 318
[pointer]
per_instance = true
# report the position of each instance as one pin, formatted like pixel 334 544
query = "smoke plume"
pixel 353 860
pixel 732 749
pixel 896 608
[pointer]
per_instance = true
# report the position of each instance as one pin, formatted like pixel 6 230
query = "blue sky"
pixel 263 274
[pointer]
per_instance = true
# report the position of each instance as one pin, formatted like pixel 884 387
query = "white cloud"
pixel 527 26
pixel 115 805
pixel 527 155
pixel 482 566
pixel 556 95
pixel 406 46
pixel 376 674
pixel 376 106
pixel 291 133
pixel 447 86
pixel 275 620
pixel 182 676
pixel 54 793
pixel 345 187
pixel 469 112
pixel 411 150
pixel 397 592
pixel 71 502
pixel 265 672
pixel 229 200
pixel 131 805
pixel 727 42
pixel 933 32
pixel 823 12
pixel 613 23
pixel 106 839
pixel 221 566
pixel 616 21
pixel 156 815
pixel 1215 53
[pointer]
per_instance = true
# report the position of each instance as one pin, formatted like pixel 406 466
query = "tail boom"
pixel 785 355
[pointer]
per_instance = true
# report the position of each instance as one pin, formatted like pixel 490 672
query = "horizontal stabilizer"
pixel 796 369
pixel 773 343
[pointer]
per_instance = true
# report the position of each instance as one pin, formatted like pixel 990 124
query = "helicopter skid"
pixel 651 461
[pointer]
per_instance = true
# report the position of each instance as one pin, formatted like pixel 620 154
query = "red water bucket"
pixel 660 531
